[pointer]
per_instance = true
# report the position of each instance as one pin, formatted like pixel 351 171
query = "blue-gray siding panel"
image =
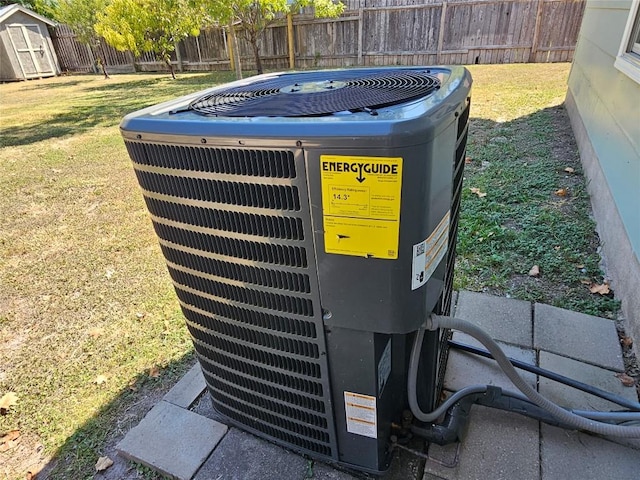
pixel 609 104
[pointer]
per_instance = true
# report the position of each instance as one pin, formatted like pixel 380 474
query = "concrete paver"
pixel 188 389
pixel 172 440
pixel 242 456
pixel 464 369
pixel 589 374
pixel 576 455
pixel 505 319
pixel 499 445
pixel 583 337
pixel 404 466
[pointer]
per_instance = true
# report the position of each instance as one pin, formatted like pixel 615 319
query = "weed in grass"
pixel 147 473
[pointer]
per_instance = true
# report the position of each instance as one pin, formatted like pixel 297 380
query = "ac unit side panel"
pixel 361 290
pixel 236 234
pixel 368 380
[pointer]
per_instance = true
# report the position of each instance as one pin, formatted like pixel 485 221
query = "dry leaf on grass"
pixel 535 271
pixel 95 332
pixel 9 440
pixel 7 401
pixel 601 289
pixel 154 372
pixel 569 170
pixel 92 207
pixel 478 192
pixel 103 463
pixel 468 160
pixel 626 380
pixel 100 379
pixel 562 192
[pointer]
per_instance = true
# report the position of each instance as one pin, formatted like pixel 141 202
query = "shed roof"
pixel 6 12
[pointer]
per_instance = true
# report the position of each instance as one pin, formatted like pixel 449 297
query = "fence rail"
pixel 374 32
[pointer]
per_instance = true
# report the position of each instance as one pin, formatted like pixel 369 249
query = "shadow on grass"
pixel 104 105
pixel 99 436
pixel 50 86
pixel 76 121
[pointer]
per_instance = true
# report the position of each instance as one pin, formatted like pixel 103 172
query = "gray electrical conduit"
pixel 622 416
pixel 437 321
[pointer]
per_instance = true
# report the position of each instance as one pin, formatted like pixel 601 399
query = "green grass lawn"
pixel 86 306
pixel 522 155
pixel 88 318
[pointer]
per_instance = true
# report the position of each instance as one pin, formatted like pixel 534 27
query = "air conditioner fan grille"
pixel 317 93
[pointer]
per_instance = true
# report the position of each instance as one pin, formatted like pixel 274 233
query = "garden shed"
pixel 26 50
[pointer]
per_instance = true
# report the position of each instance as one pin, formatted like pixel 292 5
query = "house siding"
pixel 604 107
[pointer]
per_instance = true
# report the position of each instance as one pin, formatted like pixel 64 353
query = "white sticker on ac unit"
pixel 428 253
pixel 361 414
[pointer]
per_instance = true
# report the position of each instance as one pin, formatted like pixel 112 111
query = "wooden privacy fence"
pixel 375 32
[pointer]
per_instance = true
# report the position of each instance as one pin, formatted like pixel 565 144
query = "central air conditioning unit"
pixel 308 222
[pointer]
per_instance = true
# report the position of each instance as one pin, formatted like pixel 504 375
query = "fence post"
pixel 228 42
pixel 360 32
pixel 443 25
pixel 292 52
pixel 132 59
pixel 536 32
pixel 176 45
pixel 234 53
pixel 541 33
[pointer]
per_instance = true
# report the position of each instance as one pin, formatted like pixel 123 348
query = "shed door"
pixel 32 50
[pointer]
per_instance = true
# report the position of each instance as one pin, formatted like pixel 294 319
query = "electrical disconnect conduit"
pixel 564 416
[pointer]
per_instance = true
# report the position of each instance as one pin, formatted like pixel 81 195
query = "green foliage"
pixel 254 16
pixel 322 8
pixel 81 16
pixel 45 8
pixel 153 26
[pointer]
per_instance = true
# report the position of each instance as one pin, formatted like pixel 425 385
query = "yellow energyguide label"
pixel 361 205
